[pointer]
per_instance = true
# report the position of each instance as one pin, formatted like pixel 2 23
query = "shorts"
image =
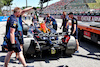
pixel 20 37
pixel 55 26
pixel 76 35
pixel 17 49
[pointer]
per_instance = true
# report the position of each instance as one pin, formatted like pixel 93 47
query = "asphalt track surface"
pixel 88 56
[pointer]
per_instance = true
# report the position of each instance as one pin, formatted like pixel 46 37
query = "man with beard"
pixel 12 37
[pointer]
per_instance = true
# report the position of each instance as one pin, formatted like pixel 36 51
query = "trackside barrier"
pixel 80 18
pixel 3 18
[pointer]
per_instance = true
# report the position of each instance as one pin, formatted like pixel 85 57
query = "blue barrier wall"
pixel 3 18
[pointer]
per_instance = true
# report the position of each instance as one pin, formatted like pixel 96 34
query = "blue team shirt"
pixel 52 19
pixel 13 24
pixel 19 23
pixel 74 21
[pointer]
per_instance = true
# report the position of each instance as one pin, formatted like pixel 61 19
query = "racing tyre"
pixel 71 46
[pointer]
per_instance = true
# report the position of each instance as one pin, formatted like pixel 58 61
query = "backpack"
pixel 7 26
pixel 5 45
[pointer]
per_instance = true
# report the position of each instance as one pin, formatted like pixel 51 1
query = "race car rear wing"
pixel 50 34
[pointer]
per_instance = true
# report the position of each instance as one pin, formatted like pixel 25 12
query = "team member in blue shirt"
pixel 20 29
pixel 65 24
pixel 74 29
pixel 51 21
pixel 12 36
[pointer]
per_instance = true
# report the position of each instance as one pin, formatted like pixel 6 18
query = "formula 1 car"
pixel 35 43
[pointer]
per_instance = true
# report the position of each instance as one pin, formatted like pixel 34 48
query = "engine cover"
pixel 29 46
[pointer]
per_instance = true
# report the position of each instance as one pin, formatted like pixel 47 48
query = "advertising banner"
pixel 88 18
pixel 3 18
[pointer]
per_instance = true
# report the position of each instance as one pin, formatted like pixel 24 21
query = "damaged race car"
pixel 45 38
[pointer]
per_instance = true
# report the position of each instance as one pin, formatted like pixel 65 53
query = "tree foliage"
pixel 7 2
pixel 1 3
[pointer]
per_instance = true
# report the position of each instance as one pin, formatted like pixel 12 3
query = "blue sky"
pixel 33 3
pixel 21 3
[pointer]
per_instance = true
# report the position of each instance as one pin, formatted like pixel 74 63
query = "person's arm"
pixel 12 36
pixel 25 10
pixel 45 19
pixel 23 22
pixel 50 23
pixel 66 24
pixel 46 29
pixel 62 21
pixel 37 21
pixel 13 26
pixel 32 20
pixel 62 24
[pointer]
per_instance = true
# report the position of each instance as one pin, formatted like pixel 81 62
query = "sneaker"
pixel 63 66
pixel 19 62
pixel 77 51
pixel 16 61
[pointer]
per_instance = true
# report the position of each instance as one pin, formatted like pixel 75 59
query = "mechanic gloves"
pixel 13 46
